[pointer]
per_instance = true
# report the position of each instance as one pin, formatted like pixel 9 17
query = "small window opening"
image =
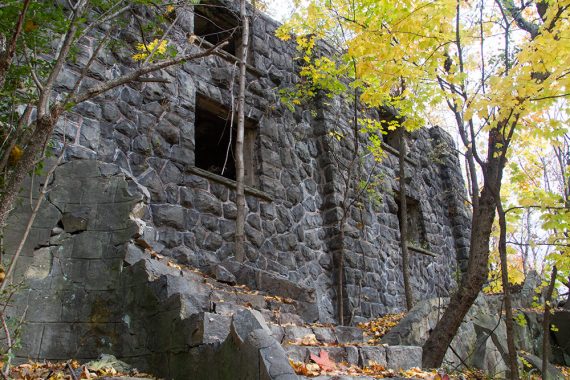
pixel 389 136
pixel 215 141
pixel 215 23
pixel 392 138
pixel 416 230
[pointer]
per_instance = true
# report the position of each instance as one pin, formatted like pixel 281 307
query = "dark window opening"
pixel 389 119
pixel 416 229
pixel 215 141
pixel 391 138
pixel 215 23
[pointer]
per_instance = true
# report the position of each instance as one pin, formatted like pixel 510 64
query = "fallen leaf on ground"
pixel 324 361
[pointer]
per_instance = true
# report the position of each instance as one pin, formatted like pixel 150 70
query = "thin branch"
pixel 35 77
pixel 135 75
pixel 521 22
pixel 535 206
pixel 42 108
pixel 538 244
pixel 7 56
pixel 153 52
pixel 31 220
pixel 85 69
pixel 550 97
pixel 71 371
pixel 153 80
pixel 104 19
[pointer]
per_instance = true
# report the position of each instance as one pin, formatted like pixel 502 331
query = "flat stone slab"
pixel 393 357
pixel 404 357
pixel 348 334
pixel 375 354
pixel 337 354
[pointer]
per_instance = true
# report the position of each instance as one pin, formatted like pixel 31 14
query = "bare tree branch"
pixel 516 13
pixel 42 107
pixel 135 75
pixel 7 56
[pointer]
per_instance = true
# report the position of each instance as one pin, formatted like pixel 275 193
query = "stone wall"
pixel 129 175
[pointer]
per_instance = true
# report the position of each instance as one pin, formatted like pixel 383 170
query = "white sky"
pixel 279 9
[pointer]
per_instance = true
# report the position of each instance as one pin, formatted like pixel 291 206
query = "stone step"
pixel 322 334
pixel 276 285
pixel 207 328
pixel 393 357
pixel 278 318
pixel 207 294
pixel 338 354
pixel 345 377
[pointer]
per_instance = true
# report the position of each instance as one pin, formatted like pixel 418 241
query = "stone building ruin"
pixel 148 172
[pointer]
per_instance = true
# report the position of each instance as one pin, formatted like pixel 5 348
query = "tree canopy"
pixel 496 66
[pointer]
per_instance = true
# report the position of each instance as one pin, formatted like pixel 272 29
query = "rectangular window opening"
pixel 215 23
pixel 416 230
pixel 389 137
pixel 215 141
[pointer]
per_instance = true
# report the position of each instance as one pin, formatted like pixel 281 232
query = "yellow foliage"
pixel 15 155
pixel 144 50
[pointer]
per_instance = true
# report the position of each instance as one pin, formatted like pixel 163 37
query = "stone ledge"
pixel 395 152
pixel 422 251
pixel 229 182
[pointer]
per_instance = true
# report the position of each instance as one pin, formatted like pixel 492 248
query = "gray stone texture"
pixel 128 187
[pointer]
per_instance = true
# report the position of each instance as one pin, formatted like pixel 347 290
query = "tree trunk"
pixel 484 206
pixel 340 275
pixel 240 195
pixel 509 323
pixel 546 323
pixel 42 132
pixel 404 221
pixel 7 55
pixel 472 282
pixel 567 303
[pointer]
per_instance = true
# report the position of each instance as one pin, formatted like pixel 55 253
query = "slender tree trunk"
pixel 42 132
pixel 404 221
pixel 7 55
pixel 240 195
pixel 546 323
pixel 472 282
pixel 340 275
pixel 347 203
pixel 567 303
pixel 484 206
pixel 509 323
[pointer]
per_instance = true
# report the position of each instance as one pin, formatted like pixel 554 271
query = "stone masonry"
pixel 129 185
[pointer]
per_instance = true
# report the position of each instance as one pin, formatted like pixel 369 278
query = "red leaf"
pixel 324 361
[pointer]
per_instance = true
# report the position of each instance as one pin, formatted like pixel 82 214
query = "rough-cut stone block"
pixel 75 221
pixel 223 275
pixel 297 353
pixel 246 321
pixel 277 331
pixel 324 334
pixel 404 357
pixel 348 354
pixel 269 282
pixel 296 333
pixel 376 354
pixel 207 328
pixel 274 363
pixel 169 215
pixel 205 202
pixel 348 334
